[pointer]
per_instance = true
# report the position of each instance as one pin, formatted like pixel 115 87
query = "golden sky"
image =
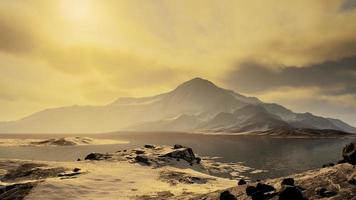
pixel 63 52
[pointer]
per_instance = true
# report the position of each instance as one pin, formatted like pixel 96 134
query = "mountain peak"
pixel 198 83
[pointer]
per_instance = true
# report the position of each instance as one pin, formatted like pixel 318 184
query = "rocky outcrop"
pixel 349 153
pixel 183 153
pixel 31 171
pixel 97 156
pixel 16 191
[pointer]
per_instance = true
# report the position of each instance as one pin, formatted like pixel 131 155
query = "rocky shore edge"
pixel 332 181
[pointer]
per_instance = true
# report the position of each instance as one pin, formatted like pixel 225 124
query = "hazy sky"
pixel 301 53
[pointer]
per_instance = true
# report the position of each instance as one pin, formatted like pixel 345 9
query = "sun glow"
pixel 76 10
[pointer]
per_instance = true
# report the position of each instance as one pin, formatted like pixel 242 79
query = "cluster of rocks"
pixel 150 155
pixel 175 177
pixel 337 181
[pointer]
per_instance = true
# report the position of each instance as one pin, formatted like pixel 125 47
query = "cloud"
pixel 348 5
pixel 331 77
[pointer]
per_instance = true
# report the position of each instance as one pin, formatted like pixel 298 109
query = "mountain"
pixel 197 105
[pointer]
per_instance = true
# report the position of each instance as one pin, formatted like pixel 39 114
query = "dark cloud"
pixel 348 5
pixel 332 77
pixel 15 36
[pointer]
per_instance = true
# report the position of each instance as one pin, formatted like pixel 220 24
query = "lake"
pixel 280 156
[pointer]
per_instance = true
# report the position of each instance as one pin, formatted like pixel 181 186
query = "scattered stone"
pixel 328 165
pixel 241 182
pixel 291 193
pixel 250 190
pixel 264 188
pixel 198 159
pixel 76 169
pixel 323 192
pixel 175 177
pixel 142 159
pixel 178 146
pixel 69 174
pixel 149 146
pixel 288 181
pixel 226 195
pixel 139 151
pixel 352 179
pixel 349 153
pixel 97 156
pixel 261 191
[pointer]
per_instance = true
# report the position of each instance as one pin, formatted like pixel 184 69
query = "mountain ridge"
pixel 197 105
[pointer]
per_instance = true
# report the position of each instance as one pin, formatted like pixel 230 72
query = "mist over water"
pixel 280 156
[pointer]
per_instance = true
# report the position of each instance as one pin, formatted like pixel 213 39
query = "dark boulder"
pixel 352 179
pixel 349 153
pixel 149 146
pixel 241 182
pixel 250 190
pixel 97 156
pixel 261 191
pixel 288 181
pixel 139 151
pixel 178 146
pixel 181 153
pixel 291 193
pixel 76 169
pixel 226 195
pixel 264 188
pixel 142 159
pixel 323 192
pixel 198 160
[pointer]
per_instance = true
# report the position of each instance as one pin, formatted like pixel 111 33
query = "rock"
pixel 264 188
pixel 226 195
pixel 291 193
pixel 349 153
pixel 181 153
pixel 352 179
pixel 76 169
pixel 31 171
pixel 78 159
pixel 97 156
pixel 142 159
pixel 16 191
pixel 328 165
pixel 260 192
pixel 241 182
pixel 178 146
pixel 149 146
pixel 66 175
pixel 323 192
pixel 288 181
pixel 139 151
pixel 250 190
pixel 198 159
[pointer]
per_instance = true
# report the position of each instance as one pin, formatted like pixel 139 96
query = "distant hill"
pixel 197 105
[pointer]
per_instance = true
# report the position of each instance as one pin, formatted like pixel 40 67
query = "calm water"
pixel 279 156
